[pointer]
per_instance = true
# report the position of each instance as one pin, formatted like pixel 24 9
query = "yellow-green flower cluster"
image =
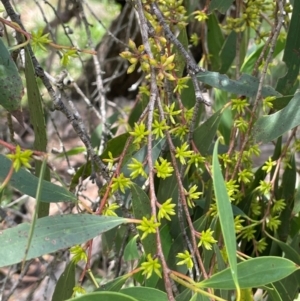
pixel 192 195
pixel 151 265
pixel 163 168
pixel 20 158
pixel 148 226
pixel 207 239
pixel 120 183
pixel 166 209
pixel 251 15
pixel 78 254
pixel 186 259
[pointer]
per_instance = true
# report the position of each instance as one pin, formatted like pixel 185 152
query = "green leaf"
pixel 221 5
pixel 227 55
pixel 188 95
pixel 199 297
pixel 247 85
pixel 250 61
pixel 11 87
pixel 141 208
pixel 288 83
pixel 254 272
pixel 184 296
pixel 145 293
pixel 105 296
pixel 72 152
pixel 35 214
pixel 179 60
pixel 226 122
pixel 273 294
pixel 27 183
pixel 270 127
pixel 221 266
pixel 286 289
pixel 205 133
pixel 281 102
pixel 37 119
pixel 296 208
pixel 115 146
pixel 65 284
pixel 288 192
pixel 131 250
pixel 215 40
pixel 51 234
pixel 225 215
pixel 113 285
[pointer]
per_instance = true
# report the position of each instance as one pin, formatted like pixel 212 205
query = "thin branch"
pixel 152 100
pixel 273 38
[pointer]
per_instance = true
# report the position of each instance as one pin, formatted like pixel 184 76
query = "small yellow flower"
pixel 137 169
pixel 200 15
pixel 148 226
pixel 192 195
pixel 78 254
pixel 207 239
pixel 20 158
pixel 139 132
pixel 150 266
pixel 187 259
pixel 109 210
pixel 166 209
pixel 121 182
pixel 164 168
pixel 269 165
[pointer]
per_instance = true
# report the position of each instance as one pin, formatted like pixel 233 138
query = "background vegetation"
pixel 160 150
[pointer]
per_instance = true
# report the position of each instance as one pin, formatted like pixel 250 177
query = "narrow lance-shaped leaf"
pixel 35 214
pixel 27 183
pixel 51 234
pixel 37 120
pixel 225 216
pixel 221 5
pixel 145 293
pixel 11 87
pixel 215 40
pixel 254 272
pixel 65 284
pixel 114 285
pixel 105 296
pixel 270 127
pixel 205 133
pixel 286 85
pixel 227 54
pixel 247 85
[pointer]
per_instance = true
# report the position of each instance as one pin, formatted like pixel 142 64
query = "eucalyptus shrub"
pixel 197 213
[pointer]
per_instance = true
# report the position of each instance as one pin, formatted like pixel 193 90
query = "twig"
pixel 152 100
pixel 192 67
pixel 99 82
pixel 273 38
pixel 58 104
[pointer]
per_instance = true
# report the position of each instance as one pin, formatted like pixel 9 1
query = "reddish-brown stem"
pixel 56 46
pixel 8 177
